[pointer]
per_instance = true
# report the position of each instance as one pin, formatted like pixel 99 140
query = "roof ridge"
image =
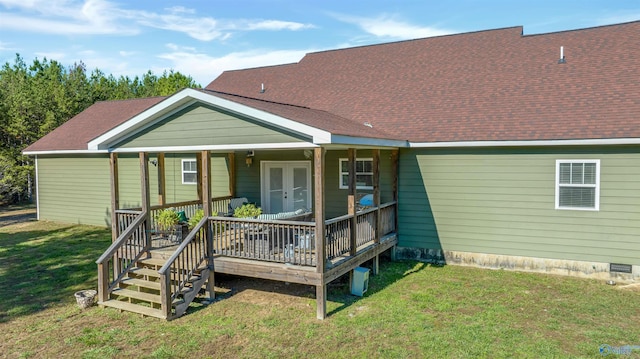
pixel 131 99
pixel 584 28
pixel 261 100
pixel 415 39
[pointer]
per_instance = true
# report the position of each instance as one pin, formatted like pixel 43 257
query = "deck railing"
pixel 218 205
pixel 387 218
pixel 338 234
pixel 366 226
pixel 115 262
pixel 124 218
pixel 269 240
pixel 183 266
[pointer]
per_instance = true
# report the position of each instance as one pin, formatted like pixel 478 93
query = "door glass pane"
pixel 276 194
pixel 300 190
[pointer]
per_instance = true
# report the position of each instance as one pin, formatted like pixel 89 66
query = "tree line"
pixel 37 98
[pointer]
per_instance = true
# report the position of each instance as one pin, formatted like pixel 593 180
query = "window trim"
pixel 340 173
pixel 182 171
pixel 596 185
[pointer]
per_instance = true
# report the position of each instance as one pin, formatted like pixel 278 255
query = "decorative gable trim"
pixel 187 97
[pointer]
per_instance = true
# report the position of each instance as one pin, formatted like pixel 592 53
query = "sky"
pixel 204 38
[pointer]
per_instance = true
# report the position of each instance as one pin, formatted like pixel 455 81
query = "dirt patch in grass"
pixel 16 214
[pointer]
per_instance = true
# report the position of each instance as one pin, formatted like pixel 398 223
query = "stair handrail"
pixel 103 271
pixel 166 294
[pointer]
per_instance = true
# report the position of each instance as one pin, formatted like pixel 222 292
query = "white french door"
pixel 286 186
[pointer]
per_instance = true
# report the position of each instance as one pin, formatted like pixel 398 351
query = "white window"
pixel 578 184
pixel 364 173
pixel 189 172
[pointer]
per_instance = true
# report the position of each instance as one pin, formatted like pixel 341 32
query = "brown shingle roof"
pixel 91 123
pixel 316 118
pixel 491 85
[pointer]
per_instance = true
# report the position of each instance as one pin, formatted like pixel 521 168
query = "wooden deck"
pixel 290 272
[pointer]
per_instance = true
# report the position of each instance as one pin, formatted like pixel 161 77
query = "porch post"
pixel 199 177
pixel 115 195
pixel 146 198
pixel 232 174
pixel 351 202
pixel 394 190
pixel 318 175
pixel 376 202
pixel 205 181
pixel 162 193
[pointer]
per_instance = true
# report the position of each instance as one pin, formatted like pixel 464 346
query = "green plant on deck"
pixel 196 218
pixel 248 210
pixel 167 219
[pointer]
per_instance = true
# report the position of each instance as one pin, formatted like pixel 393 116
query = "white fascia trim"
pixel 364 141
pixel 252 146
pixel 37 191
pixel 63 152
pixel 189 96
pixel 606 141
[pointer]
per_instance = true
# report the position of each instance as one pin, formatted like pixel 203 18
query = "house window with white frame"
pixel 189 172
pixel 364 173
pixel 578 184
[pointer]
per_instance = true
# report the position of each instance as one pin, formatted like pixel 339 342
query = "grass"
pixel 411 310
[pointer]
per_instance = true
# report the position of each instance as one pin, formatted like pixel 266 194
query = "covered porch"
pixel 161 278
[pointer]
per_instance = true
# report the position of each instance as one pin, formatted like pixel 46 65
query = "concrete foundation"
pixel 595 270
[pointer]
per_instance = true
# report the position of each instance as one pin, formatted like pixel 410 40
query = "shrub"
pixel 248 210
pixel 167 219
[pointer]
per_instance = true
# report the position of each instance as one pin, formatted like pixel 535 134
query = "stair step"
pixel 130 307
pixel 145 271
pixel 153 262
pixel 141 283
pixel 148 297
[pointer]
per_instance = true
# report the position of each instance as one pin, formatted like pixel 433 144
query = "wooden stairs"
pixel 139 291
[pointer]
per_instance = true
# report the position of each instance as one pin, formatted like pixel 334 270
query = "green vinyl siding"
pixel 502 201
pixel 74 189
pixel 201 125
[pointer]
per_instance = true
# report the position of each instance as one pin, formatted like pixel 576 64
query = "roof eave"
pixel 526 143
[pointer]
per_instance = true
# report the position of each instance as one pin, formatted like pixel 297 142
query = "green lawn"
pixel 411 310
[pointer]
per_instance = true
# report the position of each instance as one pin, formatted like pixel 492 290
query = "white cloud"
pixel 208 28
pixel 127 53
pixel 69 17
pixel 65 17
pixel 204 68
pixel 390 27
pixel 58 56
pixel 7 46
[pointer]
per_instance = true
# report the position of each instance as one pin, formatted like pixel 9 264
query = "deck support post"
pixel 318 175
pixel 321 299
pixel 376 202
pixel 205 181
pixel 162 192
pixel 115 195
pixel 146 197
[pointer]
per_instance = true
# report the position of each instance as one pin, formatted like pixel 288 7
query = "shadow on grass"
pixel 389 272
pixel 40 268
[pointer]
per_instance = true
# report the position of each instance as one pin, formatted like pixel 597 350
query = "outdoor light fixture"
pixel 154 163
pixel 249 159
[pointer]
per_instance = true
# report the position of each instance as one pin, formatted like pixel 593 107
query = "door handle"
pixel 285 195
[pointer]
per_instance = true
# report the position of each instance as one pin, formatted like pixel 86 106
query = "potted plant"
pixel 167 221
pixel 248 210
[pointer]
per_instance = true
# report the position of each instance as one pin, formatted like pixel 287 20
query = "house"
pixel 489 148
